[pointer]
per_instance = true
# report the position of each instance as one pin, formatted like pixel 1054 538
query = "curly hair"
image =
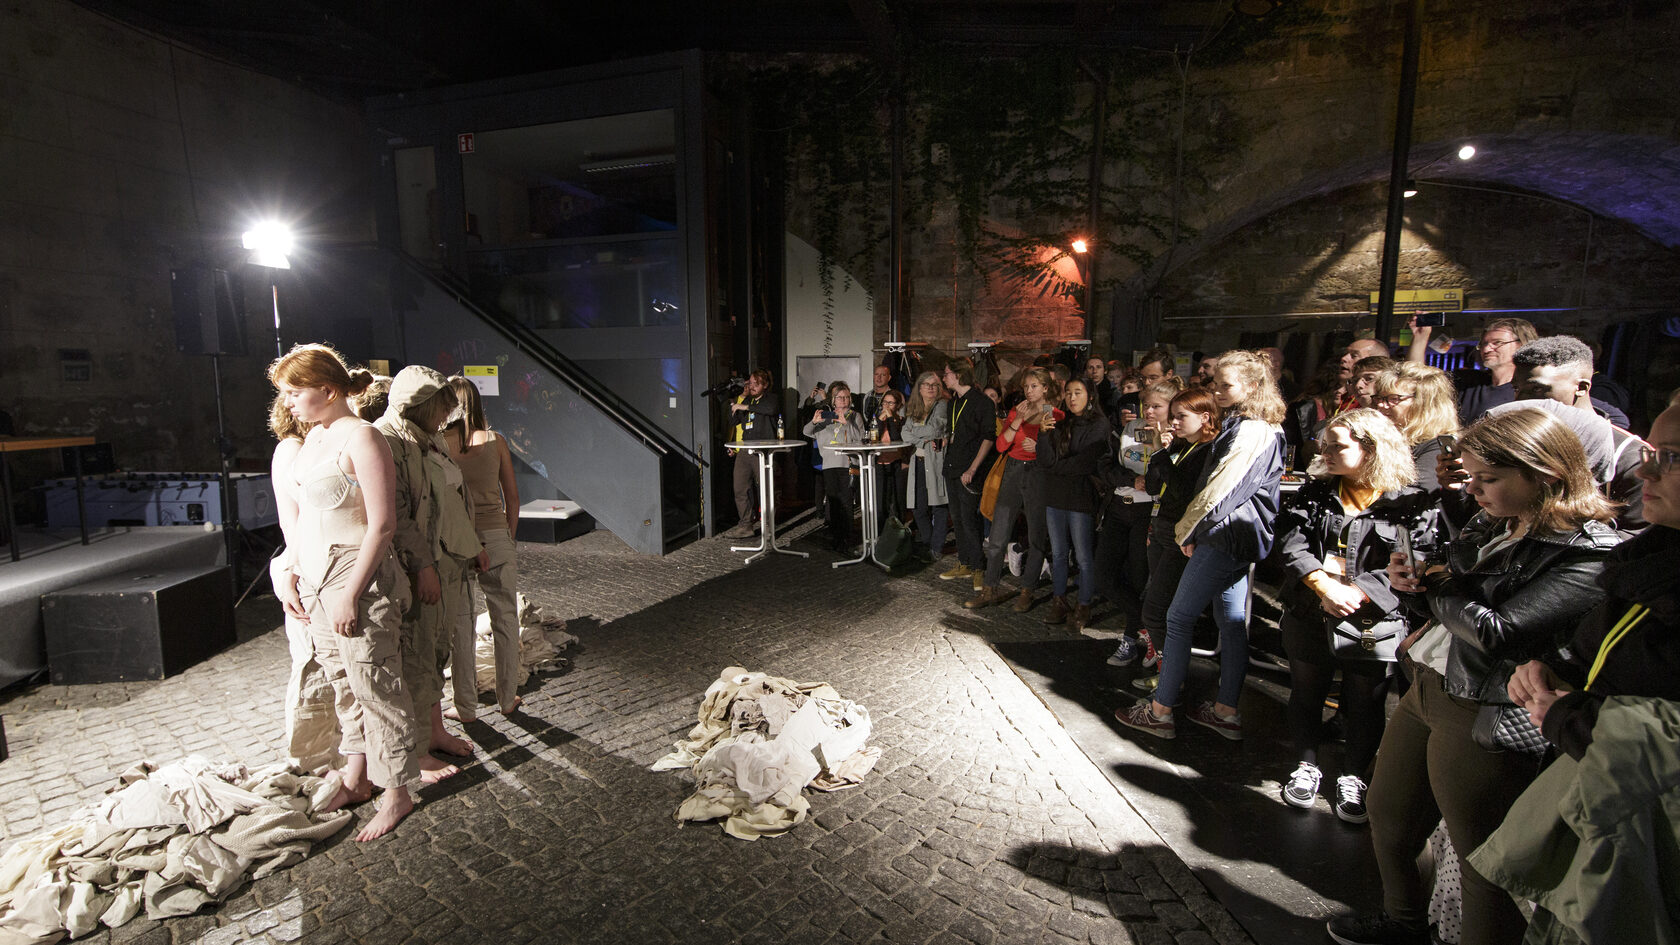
pixel 1434 402
pixel 1255 371
pixel 1544 451
pixel 1387 464
pixel 282 424
pixel 1554 351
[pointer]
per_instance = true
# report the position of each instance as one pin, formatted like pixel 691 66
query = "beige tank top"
pixel 481 466
pixel 332 515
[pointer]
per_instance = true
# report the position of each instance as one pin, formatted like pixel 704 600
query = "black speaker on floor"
pixel 144 624
pixel 207 315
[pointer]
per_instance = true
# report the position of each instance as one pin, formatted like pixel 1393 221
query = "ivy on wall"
pixel 997 149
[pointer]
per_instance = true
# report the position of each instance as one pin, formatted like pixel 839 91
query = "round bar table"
pixel 764 452
pixel 867 496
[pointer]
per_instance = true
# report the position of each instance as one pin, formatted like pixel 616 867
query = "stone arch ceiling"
pixel 1632 178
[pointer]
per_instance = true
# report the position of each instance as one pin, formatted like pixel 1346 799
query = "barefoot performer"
pixel 336 497
pixel 434 542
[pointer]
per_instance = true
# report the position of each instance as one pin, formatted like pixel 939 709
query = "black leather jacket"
pixel 1312 526
pixel 1519 604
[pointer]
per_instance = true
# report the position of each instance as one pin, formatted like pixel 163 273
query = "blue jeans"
pixel 1211 577
pixel 1078 530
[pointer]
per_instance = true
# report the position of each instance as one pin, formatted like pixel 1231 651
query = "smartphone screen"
pixel 1403 544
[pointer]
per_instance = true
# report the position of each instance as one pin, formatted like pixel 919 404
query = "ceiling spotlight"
pixel 1079 246
pixel 1411 189
pixel 1467 152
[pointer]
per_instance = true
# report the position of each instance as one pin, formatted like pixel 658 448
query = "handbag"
pixel 1369 634
pixel 896 544
pixel 1508 728
pixel 989 494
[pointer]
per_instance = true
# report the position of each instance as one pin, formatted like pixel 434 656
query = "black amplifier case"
pixel 144 624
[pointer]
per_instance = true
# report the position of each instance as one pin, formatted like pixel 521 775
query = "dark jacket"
pixel 973 422
pixel 1173 474
pixel 1300 428
pixel 1520 603
pixel 1642 570
pixel 1313 523
pixel 1242 523
pixel 758 421
pixel 1068 482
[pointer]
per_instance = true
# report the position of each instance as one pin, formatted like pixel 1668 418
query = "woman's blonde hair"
pixel 1166 389
pixel 471 405
pixel 1434 402
pixel 1544 451
pixel 1388 464
pixel 1264 402
pixel 916 406
pixel 282 424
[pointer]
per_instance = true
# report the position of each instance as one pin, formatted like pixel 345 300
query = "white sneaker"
pixel 1301 790
pixel 1015 558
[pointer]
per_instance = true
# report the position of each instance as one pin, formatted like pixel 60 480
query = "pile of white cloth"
pixel 168 839
pixel 539 644
pixel 760 741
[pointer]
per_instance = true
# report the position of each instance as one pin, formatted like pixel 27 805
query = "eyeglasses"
pixel 1495 345
pixel 1665 460
pixel 1392 400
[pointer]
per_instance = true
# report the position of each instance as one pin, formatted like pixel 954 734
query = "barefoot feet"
pixel 455 715
pixel 392 809
pixel 348 794
pixel 433 770
pixel 513 706
pixel 451 745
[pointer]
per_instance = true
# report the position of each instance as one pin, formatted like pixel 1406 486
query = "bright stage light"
pixel 269 243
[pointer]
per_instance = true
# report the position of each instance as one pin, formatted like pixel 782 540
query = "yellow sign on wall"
pixel 1412 301
pixel 485 377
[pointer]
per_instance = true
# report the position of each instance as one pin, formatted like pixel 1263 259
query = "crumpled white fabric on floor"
pixel 759 742
pixel 169 839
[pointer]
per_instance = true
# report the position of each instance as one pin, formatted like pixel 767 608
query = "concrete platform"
pixel 57 560
pixel 983 822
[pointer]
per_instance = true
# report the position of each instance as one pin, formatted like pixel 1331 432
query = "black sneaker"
pixel 1350 799
pixel 1375 930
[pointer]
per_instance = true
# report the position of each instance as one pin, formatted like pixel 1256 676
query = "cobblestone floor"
pixel 982 823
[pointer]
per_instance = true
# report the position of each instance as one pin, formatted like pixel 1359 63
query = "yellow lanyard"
pixel 961 403
pixel 1622 628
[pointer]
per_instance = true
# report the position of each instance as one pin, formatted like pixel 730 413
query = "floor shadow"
pixel 1214 802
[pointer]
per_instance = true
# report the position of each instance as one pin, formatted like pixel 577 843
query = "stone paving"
pixel 982 823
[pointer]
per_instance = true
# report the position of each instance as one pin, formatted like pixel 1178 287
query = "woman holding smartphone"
pixel 1020 492
pixel 1227 528
pixel 1520 575
pixel 1068 455
pixel 837 424
pixel 1334 540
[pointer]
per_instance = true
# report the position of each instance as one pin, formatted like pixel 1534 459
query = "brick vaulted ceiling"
pixel 370 47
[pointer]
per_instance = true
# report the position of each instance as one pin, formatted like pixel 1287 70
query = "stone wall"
pixel 126 156
pixel 1288 151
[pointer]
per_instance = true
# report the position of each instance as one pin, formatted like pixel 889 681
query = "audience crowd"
pixel 1474 569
